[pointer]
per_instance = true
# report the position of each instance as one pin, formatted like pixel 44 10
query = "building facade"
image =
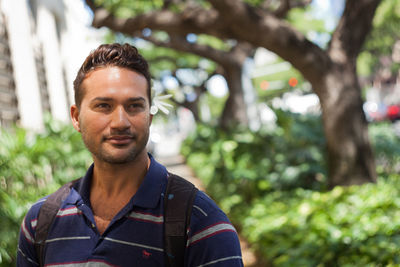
pixel 42 44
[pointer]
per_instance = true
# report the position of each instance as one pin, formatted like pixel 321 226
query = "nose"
pixel 119 119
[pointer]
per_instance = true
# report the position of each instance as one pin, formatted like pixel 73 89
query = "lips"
pixel 120 139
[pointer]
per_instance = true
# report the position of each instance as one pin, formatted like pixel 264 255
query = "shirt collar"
pixel 147 196
pixel 150 190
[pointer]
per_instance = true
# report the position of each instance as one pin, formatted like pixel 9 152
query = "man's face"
pixel 114 116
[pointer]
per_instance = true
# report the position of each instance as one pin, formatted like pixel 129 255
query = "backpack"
pixel 178 203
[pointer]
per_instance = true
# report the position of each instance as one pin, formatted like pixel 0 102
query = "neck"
pixel 116 179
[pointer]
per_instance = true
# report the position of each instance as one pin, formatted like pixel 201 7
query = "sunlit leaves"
pixel 255 2
pixel 128 8
pixel 304 22
pixel 382 38
pixel 387 149
pixel 214 42
pixel 258 178
pixel 32 166
pixel 386 28
pixel 285 157
pixel 355 226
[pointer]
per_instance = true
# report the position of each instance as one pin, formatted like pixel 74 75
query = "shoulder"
pixel 211 238
pixel 207 215
pixel 30 219
pixel 26 251
pixel 203 206
pixel 29 223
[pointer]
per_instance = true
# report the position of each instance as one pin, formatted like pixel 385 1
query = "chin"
pixel 121 158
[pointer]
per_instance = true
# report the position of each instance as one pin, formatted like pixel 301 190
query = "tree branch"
pixel 274 34
pixel 353 27
pixel 228 19
pixel 91 4
pixel 283 9
pixel 181 44
pixel 192 20
pixel 287 5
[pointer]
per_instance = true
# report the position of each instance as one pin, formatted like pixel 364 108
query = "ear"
pixel 75 117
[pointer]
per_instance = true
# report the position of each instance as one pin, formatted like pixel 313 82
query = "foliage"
pixel 213 42
pixel 304 21
pixel 353 226
pixel 288 156
pixel 386 24
pixel 281 80
pixel 127 8
pixel 272 184
pixel 387 149
pixel 32 166
pixel 382 38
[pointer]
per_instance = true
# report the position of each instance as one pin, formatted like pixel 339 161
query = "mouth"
pixel 120 139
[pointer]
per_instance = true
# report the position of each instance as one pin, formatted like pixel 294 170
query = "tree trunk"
pixel 234 111
pixel 193 107
pixel 350 158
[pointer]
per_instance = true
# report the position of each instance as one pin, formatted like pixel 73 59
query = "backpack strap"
pixel 178 203
pixel 46 216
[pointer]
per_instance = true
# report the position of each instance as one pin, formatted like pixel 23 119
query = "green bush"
pixel 387 148
pixel 273 185
pixel 348 226
pixel 32 166
pixel 288 156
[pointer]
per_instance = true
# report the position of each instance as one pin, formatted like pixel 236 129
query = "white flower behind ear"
pixel 159 104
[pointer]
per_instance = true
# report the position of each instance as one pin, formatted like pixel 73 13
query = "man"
pixel 113 216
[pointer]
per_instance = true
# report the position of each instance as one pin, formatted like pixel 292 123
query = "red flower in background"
pixel 393 112
pixel 293 82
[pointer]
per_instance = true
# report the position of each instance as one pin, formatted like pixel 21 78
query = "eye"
pixel 103 106
pixel 135 106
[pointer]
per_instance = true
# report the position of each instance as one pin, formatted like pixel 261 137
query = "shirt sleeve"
pixel 26 254
pixel 212 239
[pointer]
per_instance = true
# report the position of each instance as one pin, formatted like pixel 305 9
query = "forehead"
pixel 109 81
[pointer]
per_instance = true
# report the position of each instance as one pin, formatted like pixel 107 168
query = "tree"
pixel 229 57
pixel 231 64
pixel 198 88
pixel 331 71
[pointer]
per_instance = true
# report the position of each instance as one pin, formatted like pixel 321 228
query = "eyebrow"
pixel 131 99
pixel 134 99
pixel 101 99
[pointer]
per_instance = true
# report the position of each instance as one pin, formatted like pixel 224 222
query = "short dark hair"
pixel 112 55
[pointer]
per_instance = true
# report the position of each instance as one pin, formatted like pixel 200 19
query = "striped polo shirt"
pixel 135 235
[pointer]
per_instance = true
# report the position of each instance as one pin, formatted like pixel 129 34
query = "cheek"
pixel 93 124
pixel 143 122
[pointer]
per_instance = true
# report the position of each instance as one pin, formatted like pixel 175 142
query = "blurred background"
pixel 288 111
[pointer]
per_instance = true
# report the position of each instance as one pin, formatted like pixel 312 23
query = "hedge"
pixel 32 166
pixel 272 183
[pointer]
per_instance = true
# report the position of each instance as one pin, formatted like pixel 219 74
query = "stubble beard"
pixel 101 153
